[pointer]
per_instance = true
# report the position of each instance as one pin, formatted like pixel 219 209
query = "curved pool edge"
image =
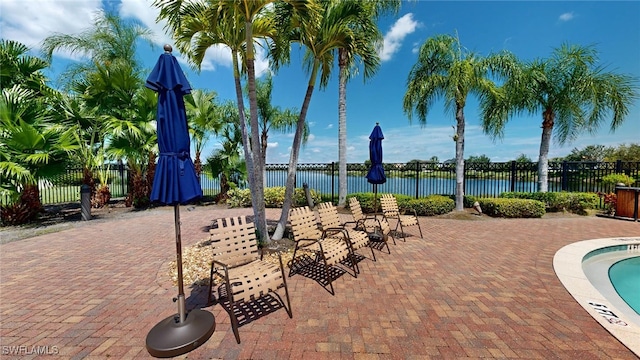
pixel 567 264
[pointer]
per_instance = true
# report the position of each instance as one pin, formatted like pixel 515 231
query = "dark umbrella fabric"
pixel 175 180
pixel 376 172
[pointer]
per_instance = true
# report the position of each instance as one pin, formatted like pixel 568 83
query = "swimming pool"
pixel 625 278
pixel 584 269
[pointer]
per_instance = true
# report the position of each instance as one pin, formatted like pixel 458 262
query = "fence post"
pixel 417 178
pixel 512 180
pixel 618 166
pixel 565 181
pixel 122 178
pixel 333 179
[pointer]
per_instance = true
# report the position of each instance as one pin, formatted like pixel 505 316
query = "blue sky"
pixel 529 29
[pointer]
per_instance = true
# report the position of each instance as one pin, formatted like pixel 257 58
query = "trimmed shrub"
pixel 575 202
pixel 512 208
pixel 273 197
pixel 432 205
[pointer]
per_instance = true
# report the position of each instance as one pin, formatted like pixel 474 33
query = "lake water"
pixel 323 183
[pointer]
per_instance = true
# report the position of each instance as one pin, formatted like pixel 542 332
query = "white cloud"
pixel 395 36
pixel 272 145
pixel 30 22
pixel 566 16
pixel 330 126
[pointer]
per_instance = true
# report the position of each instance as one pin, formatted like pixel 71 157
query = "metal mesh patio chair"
pixel 245 277
pixel 330 219
pixel 377 225
pixel 391 211
pixel 329 248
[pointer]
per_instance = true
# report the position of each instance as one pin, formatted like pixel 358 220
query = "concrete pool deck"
pixel 592 289
pixel 469 289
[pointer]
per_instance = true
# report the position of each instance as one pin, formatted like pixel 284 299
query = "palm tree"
pixel 226 162
pixel 109 41
pixel 444 70
pixel 32 145
pixel 111 84
pixel 370 39
pixel 571 91
pixel 196 26
pixel 203 116
pixel 321 40
pixel 272 117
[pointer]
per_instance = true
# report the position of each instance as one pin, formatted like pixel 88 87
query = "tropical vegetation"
pixel 102 114
pixel 445 70
pixel 572 91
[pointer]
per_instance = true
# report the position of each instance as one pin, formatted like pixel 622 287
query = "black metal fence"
pixel 413 179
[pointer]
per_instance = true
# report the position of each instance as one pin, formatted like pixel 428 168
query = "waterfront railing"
pixel 416 179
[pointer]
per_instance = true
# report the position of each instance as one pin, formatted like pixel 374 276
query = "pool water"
pixel 625 277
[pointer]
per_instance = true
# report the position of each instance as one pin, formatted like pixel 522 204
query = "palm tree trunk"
pixel 342 128
pixel 293 159
pixel 264 143
pixel 548 118
pixel 256 168
pixel 459 138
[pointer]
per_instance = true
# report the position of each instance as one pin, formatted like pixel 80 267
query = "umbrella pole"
pixel 180 333
pixel 375 199
pixel 181 305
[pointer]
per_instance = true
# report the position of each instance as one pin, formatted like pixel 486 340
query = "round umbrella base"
pixel 171 338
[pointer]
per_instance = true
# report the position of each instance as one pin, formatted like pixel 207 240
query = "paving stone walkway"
pixel 469 289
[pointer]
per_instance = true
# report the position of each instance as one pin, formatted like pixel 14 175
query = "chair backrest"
pixel 234 241
pixel 389 205
pixel 329 217
pixel 356 209
pixel 304 224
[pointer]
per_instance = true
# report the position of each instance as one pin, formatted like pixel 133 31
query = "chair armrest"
pixel 335 230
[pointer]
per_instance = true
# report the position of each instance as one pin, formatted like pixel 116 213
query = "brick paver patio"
pixel 469 289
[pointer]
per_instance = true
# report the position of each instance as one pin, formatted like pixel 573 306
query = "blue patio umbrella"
pixel 175 182
pixel 376 175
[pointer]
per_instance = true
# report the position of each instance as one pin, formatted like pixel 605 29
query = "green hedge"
pixel 273 197
pixel 427 206
pixel 575 202
pixel 512 208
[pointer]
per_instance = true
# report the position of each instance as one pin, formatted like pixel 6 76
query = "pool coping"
pixel 567 264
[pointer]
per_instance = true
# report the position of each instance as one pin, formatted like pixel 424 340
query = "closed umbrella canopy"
pixel 175 183
pixel 175 180
pixel 376 172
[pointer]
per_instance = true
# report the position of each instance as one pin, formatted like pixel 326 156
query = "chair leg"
pixel 372 252
pixel 210 286
pixel 232 313
pixel 234 322
pixel 293 259
pixel 420 229
pixel 286 289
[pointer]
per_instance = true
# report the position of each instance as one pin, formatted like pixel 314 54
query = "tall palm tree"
pixel 273 118
pixel 572 92
pixel 445 70
pixel 370 40
pixel 196 26
pixel 321 40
